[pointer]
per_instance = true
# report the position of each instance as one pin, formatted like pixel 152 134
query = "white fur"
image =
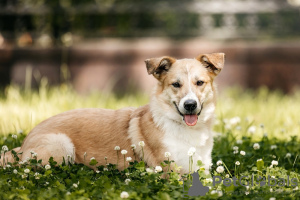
pixel 179 137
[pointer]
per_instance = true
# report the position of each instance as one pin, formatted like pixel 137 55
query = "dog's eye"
pixel 199 83
pixel 176 85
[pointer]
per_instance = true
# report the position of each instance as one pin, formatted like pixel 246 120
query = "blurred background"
pixel 99 45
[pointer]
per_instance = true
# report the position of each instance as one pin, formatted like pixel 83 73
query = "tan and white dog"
pixel 180 116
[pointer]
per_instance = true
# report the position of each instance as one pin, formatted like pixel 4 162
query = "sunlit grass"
pixel 277 113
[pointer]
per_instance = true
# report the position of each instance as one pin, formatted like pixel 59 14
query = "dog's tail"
pixel 8 156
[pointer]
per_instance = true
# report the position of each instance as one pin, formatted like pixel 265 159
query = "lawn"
pixel 256 137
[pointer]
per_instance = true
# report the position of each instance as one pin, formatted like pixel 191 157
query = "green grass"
pixel 274 115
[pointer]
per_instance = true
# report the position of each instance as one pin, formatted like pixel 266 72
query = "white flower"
pixel 4 148
pixel 247 192
pixel 272 198
pixel 227 176
pixel 256 146
pixel 274 162
pixel 219 162
pixel 235 152
pixel 235 120
pixel 133 146
pixel 251 129
pixel 273 147
pixel 117 148
pixel 123 152
pixel 209 180
pixel 127 181
pixel 149 170
pixel 14 136
pixel 273 156
pixel 259 160
pixel 20 131
pixel 237 163
pixel 97 171
pixel 8 166
pixel 124 195
pixel 242 153
pixel 235 148
pixel 141 143
pixel 128 159
pixel 158 169
pixel 167 154
pixel 92 158
pixel 24 176
pixel 26 171
pixel 220 169
pixel 191 151
pixel 75 185
pixel 15 171
pixel 34 155
pixel 105 169
pixel 47 167
pixel 239 141
pixel 288 155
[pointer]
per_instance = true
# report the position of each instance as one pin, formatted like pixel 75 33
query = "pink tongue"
pixel 191 120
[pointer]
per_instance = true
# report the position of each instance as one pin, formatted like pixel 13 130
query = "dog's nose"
pixel 190 105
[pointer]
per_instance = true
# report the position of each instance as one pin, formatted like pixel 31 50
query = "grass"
pixel 243 119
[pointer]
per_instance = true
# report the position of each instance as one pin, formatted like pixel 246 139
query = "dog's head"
pixel 185 86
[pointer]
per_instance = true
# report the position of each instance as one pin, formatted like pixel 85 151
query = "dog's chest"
pixel 178 141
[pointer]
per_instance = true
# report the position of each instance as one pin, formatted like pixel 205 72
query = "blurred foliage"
pixel 130 18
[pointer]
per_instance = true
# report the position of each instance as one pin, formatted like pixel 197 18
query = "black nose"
pixel 190 105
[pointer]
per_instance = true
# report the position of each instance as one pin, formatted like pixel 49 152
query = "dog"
pixel 179 116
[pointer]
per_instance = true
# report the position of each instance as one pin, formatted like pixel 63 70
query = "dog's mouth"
pixel 190 119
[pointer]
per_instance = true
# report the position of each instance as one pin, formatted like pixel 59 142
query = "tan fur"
pixel 94 132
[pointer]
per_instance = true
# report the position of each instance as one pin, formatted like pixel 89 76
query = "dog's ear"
pixel 159 67
pixel 213 62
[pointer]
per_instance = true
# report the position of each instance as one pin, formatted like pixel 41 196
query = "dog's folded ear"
pixel 213 62
pixel 158 67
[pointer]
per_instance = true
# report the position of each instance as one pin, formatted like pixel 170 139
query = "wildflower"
pixel 272 198
pixel 220 169
pixel 8 166
pixel 274 162
pixel 128 159
pixel 251 129
pixel 105 169
pixel 127 181
pixel 20 131
pixel 14 136
pixel 191 151
pixel 37 175
pixel 235 120
pixel 227 176
pixel 92 158
pixel 247 192
pixel 34 155
pixel 235 148
pixel 24 175
pixel 124 195
pixel 117 148
pixel 219 162
pixel 15 171
pixel 242 153
pixel 133 146
pixel 4 148
pixel 288 155
pixel 97 171
pixel 167 154
pixel 259 160
pixel 273 156
pixel 75 185
pixel 149 170
pixel 237 163
pixel 47 167
pixel 273 147
pixel 239 141
pixel 235 152
pixel 158 169
pixel 256 146
pixel 26 171
pixel 209 180
pixel 123 152
pixel 141 143
pixel 143 174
